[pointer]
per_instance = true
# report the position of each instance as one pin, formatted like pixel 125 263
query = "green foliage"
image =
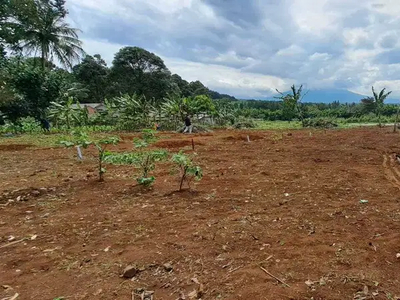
pixel 375 103
pixel 149 135
pixel 42 29
pixel 28 91
pixel 292 103
pixel 93 73
pixel 138 71
pixel 81 139
pixel 188 171
pixel 143 160
pixel 133 111
pixel 319 123
pixel 67 114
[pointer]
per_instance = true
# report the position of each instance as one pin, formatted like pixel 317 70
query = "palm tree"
pixel 45 32
pixel 376 102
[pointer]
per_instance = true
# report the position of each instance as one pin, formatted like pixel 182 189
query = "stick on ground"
pixel 273 276
pixel 12 243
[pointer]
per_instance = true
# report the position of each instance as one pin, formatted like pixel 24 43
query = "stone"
pixel 168 267
pixel 130 272
pixel 35 193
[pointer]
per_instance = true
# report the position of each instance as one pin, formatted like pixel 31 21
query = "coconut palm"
pixel 46 33
pixel 376 102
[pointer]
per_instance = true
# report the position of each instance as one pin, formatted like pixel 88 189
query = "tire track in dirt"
pixel 391 172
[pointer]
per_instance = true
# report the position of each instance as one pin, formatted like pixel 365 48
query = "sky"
pixel 249 48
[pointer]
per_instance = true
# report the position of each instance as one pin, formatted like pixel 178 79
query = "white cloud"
pixel 245 84
pixel 320 56
pixel 249 50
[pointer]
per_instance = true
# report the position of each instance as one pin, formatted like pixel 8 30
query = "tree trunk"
pixel 101 172
pixel 183 178
pixel 397 119
pixel 379 119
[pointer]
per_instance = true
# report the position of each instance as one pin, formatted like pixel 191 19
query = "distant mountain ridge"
pixel 332 95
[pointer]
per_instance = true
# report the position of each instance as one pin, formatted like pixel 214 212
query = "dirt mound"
pixel 176 143
pixel 243 137
pixel 15 147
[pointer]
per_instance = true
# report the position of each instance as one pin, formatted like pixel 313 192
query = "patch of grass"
pixel 39 140
pixel 271 125
pixel 45 140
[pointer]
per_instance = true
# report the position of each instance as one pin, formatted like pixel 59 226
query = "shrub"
pixel 319 123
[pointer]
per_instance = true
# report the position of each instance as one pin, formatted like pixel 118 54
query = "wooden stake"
pixel 192 144
pixel 248 139
pixel 273 276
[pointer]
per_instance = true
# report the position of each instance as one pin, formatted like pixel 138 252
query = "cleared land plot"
pixel 287 201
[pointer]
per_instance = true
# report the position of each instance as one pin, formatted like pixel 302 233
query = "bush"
pixel 244 123
pixel 319 123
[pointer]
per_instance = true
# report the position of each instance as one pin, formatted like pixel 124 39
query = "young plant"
pixel 188 171
pixel 144 160
pixel 81 139
pixel 101 146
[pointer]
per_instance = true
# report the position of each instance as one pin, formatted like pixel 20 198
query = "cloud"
pixel 249 48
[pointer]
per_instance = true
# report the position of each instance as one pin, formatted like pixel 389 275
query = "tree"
pixel 93 73
pixel 376 103
pixel 197 88
pixel 295 98
pixel 397 118
pixel 10 33
pixel 289 108
pixel 42 29
pixel 30 90
pixel 136 70
pixel 182 84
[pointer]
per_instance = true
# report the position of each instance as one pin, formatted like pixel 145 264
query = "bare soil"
pixel 286 201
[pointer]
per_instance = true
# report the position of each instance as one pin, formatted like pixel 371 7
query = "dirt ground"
pixel 288 202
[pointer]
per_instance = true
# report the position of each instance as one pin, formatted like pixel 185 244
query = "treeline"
pixel 353 112
pixel 35 40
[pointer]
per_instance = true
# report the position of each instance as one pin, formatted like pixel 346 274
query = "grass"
pixel 41 140
pixel 44 140
pixel 278 125
pixel 53 139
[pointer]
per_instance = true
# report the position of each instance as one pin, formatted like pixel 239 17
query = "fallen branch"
pixel 235 269
pixel 11 298
pixel 273 276
pixel 14 297
pixel 12 243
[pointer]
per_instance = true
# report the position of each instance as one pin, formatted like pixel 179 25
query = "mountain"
pixel 331 95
